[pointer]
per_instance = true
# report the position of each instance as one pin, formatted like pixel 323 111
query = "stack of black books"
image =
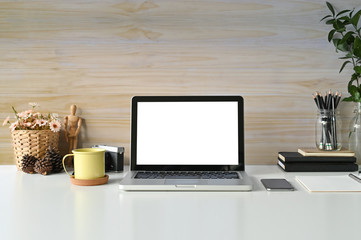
pixel 312 160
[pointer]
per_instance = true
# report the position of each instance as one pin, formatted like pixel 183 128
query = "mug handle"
pixel 68 155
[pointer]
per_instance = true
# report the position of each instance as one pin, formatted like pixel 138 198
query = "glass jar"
pixel 328 130
pixel 354 136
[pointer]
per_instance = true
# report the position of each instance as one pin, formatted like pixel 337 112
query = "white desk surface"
pixel 50 207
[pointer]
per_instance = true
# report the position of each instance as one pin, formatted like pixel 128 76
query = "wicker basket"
pixel 33 142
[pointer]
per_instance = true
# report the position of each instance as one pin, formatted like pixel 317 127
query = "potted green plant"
pixel 345 34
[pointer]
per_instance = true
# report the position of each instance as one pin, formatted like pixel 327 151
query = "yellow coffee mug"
pixel 89 163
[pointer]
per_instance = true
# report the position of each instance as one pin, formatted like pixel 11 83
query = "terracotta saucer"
pixel 89 182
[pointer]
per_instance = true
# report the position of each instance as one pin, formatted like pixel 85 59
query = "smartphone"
pixel 277 184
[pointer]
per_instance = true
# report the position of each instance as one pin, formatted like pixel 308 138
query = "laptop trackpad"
pixel 186 182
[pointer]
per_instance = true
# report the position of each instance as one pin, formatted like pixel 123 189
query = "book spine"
pixel 314 167
pixel 317 159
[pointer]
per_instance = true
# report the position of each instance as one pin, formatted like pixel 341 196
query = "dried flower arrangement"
pixel 33 120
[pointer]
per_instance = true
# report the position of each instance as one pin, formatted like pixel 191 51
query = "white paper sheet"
pixel 329 183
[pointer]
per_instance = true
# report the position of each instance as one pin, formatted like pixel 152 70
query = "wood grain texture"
pixel 98 54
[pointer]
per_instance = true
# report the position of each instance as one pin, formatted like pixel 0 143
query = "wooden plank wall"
pixel 98 54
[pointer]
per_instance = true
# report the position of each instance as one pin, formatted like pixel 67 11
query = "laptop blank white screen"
pixel 187 133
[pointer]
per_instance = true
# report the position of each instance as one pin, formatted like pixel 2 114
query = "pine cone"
pixel 28 163
pixel 43 166
pixel 55 158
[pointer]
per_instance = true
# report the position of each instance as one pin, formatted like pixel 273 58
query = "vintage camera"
pixel 114 157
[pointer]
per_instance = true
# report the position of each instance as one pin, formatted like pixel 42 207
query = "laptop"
pixel 187 143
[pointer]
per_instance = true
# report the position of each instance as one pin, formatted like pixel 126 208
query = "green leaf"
pixel 348 99
pixel 347 36
pixel 356 18
pixel 330 22
pixel 342 47
pixel 357 97
pixel 349 85
pixel 354 77
pixel 354 93
pixel 342 12
pixel 328 16
pixel 340 30
pixel 330 35
pixel 357 69
pixel 357 47
pixel 345 18
pixel 329 5
pixel 348 56
pixel 339 26
pixel 336 41
pixel 343 65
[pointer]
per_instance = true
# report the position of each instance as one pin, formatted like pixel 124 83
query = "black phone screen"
pixel 277 184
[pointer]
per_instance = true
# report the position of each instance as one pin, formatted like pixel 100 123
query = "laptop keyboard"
pixel 187 175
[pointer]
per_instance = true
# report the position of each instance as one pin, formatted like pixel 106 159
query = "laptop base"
pixel 129 183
